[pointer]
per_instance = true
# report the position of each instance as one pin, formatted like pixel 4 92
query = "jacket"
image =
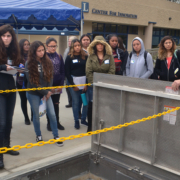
pixel 136 66
pixel 92 65
pixel 43 82
pixel 165 73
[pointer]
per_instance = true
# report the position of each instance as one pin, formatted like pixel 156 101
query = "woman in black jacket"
pixel 167 66
pixel 120 57
pixel 9 55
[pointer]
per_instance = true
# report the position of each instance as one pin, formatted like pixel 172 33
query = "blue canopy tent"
pixel 40 14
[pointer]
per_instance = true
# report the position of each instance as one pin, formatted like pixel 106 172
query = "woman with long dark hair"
pixel 40 74
pixel 75 65
pixel 9 55
pixel 58 77
pixel 24 45
pixel 85 42
pixel 100 60
pixel 167 66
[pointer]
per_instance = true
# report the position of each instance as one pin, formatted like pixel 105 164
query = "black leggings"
pixel 55 99
pixel 7 104
pixel 23 102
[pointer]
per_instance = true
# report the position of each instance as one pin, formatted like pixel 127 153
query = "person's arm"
pixel 68 70
pixel 157 68
pixel 111 66
pixel 65 54
pixel 128 66
pixel 62 70
pixel 89 70
pixel 149 67
pixel 124 61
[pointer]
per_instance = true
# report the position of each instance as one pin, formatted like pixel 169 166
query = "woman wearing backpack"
pixel 100 60
pixel 140 62
pixel 167 66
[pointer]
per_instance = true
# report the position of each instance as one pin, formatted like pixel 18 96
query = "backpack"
pixel 145 58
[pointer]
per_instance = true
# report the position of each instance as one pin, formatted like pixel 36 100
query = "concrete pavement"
pixel 22 134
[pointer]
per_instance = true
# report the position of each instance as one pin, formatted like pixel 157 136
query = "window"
pixel 94 27
pixel 107 28
pixel 100 28
pixel 121 29
pixel 113 28
pixel 133 30
pixel 156 31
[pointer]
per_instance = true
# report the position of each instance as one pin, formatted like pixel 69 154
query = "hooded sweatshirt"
pixel 136 66
pixel 93 65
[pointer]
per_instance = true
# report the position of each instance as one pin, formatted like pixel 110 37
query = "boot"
pixel 89 117
pixel 56 109
pixel 27 122
pixel 1 161
pixel 7 144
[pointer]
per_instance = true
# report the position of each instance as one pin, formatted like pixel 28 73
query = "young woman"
pixel 75 65
pixel 40 74
pixel 24 48
pixel 167 66
pixel 120 58
pixel 140 63
pixel 85 42
pixel 9 55
pixel 100 60
pixel 58 77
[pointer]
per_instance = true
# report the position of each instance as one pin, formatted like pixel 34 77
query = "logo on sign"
pixel 85 7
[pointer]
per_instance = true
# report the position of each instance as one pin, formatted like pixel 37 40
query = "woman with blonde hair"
pixel 75 65
pixel 167 66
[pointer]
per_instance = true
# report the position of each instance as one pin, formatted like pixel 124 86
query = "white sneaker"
pixel 60 144
pixel 39 138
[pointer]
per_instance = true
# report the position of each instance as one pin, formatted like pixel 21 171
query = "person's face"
pixel 40 52
pixel 26 46
pixel 6 38
pixel 137 46
pixel 69 42
pixel 168 44
pixel 113 42
pixel 85 42
pixel 52 46
pixel 100 47
pixel 77 47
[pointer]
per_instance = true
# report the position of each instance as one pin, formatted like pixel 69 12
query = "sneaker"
pixel 39 138
pixel 77 126
pixel 60 127
pixel 49 127
pixel 84 123
pixel 60 144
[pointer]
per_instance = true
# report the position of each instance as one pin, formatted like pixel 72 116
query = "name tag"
pixel 106 61
pixel 9 62
pixel 132 61
pixel 75 61
pixel 177 69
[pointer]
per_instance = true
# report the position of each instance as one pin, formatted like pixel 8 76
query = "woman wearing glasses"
pixel 24 48
pixel 58 77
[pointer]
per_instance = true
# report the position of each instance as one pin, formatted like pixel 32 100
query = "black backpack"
pixel 145 57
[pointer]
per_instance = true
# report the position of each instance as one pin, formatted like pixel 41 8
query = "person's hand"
pixel 158 77
pixel 53 91
pixel 175 85
pixel 59 90
pixel 85 88
pixel 8 68
pixel 75 88
pixel 48 95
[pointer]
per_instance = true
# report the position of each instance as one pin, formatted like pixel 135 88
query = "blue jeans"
pixel 76 99
pixel 90 93
pixel 34 101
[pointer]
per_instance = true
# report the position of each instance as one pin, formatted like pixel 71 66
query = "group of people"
pixel 47 68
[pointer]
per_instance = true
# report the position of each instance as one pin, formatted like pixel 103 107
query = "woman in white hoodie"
pixel 140 62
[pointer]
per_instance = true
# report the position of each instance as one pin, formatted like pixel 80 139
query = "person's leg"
pixel 56 101
pixel 2 125
pixel 84 111
pixel 75 106
pixel 90 106
pixel 34 101
pixel 23 104
pixel 69 96
pixel 80 108
pixel 10 105
pixel 52 117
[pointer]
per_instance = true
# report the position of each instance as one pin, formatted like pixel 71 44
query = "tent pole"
pixel 81 22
